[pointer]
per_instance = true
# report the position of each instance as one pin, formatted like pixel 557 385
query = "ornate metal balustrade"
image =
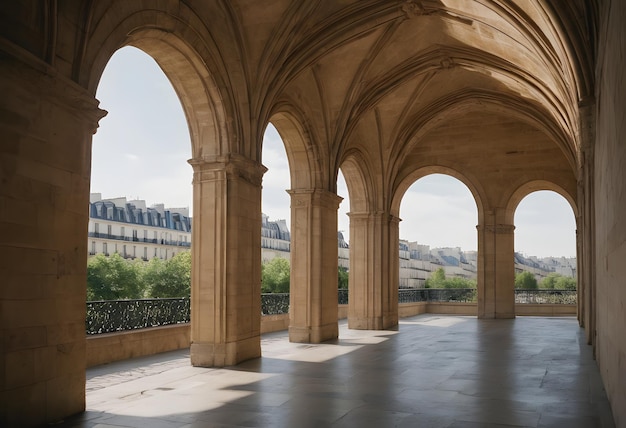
pixel 554 297
pixel 458 295
pixel 119 315
pixel 342 294
pixel 274 303
pixel 413 295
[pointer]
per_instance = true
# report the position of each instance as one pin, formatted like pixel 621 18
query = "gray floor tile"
pixel 432 372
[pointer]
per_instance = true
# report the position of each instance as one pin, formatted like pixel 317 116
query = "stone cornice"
pixel 43 80
pixel 499 229
pixel 360 216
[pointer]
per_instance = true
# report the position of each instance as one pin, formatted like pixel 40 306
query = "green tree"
pixel 555 281
pixel 170 278
pixel 457 282
pixel 525 280
pixel 565 283
pixel 437 279
pixel 549 282
pixel 342 278
pixel 275 276
pixel 114 278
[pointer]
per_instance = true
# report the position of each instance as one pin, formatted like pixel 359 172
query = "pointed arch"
pixel 455 104
pixel 305 169
pixel 356 172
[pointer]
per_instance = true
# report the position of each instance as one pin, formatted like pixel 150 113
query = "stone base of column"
pixel 497 315
pixel 375 323
pixel 505 315
pixel 316 334
pixel 225 354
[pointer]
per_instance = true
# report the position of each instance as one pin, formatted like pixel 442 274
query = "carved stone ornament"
pixel 412 9
pixel 415 8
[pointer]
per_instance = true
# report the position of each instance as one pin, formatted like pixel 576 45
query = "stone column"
pixel 313 288
pixel 496 279
pixel 46 124
pixel 226 261
pixel 374 271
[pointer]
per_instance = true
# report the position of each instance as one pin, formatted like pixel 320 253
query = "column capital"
pixel 304 197
pixel 231 166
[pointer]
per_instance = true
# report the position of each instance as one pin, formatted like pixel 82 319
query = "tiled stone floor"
pixel 435 371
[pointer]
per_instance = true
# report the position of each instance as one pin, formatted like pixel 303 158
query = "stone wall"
pixel 46 124
pixel 610 205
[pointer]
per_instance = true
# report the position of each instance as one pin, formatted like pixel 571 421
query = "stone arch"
pixel 533 186
pixel 455 104
pixel 583 286
pixel 304 171
pixel 197 83
pixel 358 180
pixel 407 181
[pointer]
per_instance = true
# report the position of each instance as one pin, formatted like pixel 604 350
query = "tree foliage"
pixel 275 276
pixel 170 278
pixel 555 281
pixel 525 280
pixel 113 278
pixel 342 278
pixel 438 280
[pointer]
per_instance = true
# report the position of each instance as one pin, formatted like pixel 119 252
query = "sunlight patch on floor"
pixel 443 321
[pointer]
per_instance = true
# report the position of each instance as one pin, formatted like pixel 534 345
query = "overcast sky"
pixel 142 147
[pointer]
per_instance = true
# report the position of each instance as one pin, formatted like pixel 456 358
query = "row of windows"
pixel 168 236
pixel 126 252
pixel 274 244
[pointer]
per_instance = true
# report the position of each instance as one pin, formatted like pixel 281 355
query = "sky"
pixel 142 146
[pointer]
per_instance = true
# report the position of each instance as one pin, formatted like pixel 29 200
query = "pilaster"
pixel 585 223
pixel 226 261
pixel 313 288
pixel 374 271
pixel 496 280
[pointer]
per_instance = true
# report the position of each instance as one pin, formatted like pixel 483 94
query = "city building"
pixel 542 267
pixel 275 239
pixel 133 230
pixel 508 96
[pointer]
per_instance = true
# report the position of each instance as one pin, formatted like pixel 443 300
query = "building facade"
pixel 133 230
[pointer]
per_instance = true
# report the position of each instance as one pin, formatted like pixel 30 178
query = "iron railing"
pixel 120 315
pixel 457 295
pixel 274 303
pixel 554 297
pixel 413 295
pixel 342 295
pixel 107 316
